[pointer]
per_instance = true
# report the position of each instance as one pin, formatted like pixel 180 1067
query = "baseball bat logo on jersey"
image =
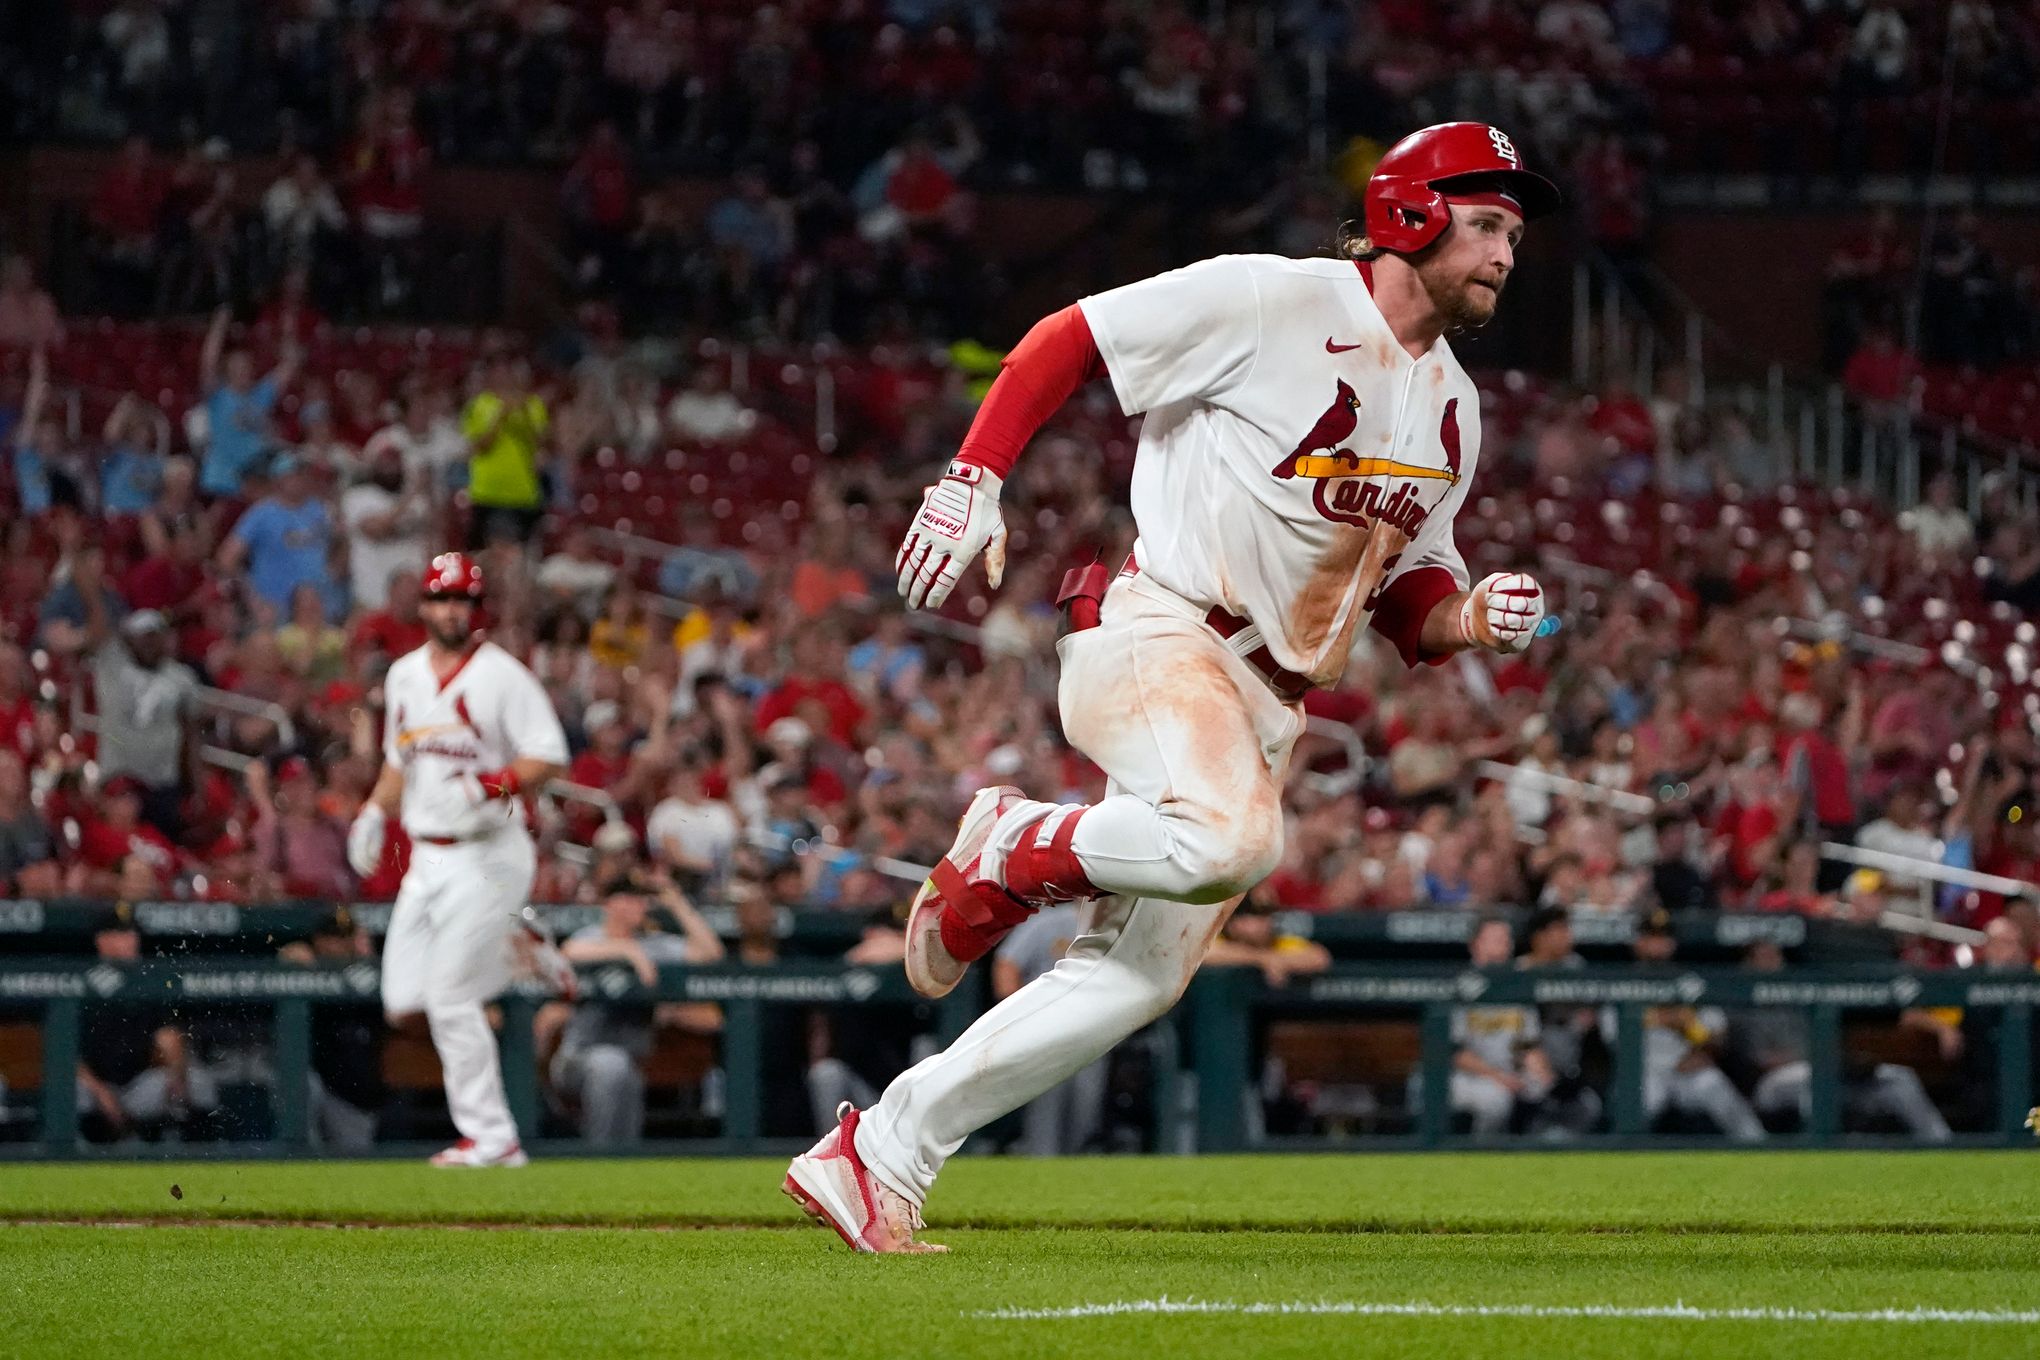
pixel 1347 490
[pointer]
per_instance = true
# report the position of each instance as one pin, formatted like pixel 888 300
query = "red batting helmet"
pixel 1404 206
pixel 452 576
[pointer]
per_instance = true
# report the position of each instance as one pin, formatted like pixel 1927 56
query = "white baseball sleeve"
pixel 1192 333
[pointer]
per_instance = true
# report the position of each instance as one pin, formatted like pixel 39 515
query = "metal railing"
pixel 1358 762
pixel 221 757
pixel 227 701
pixel 566 791
pixel 1824 434
pixel 1926 873
pixel 1621 800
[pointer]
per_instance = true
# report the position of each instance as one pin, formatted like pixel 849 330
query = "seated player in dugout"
pixel 1309 439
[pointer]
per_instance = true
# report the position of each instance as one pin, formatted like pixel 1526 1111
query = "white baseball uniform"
pixel 1294 462
pixel 449 947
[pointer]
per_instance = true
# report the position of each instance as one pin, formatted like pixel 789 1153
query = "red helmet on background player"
pixel 452 576
pixel 1404 207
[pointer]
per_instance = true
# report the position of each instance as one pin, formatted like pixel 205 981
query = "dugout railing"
pixel 1219 1030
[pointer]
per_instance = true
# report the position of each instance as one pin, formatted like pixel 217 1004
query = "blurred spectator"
pixel 45 471
pixel 285 540
pixel 825 576
pixel 427 438
pixel 28 856
pixel 1773 1042
pixel 294 839
pixel 388 517
pixel 1866 280
pixel 505 426
pixel 78 582
pixel 1905 830
pixel 138 1074
pixel 1679 1071
pixel 690 832
pixel 237 409
pixel 1252 937
pixel 700 562
pixel 620 633
pixel 309 646
pixel 396 628
pixel 28 315
pixel 304 218
pixel 1498 1071
pixel 752 233
pixel 384 176
pixel 126 215
pixel 1793 884
pixel 810 683
pixel 1676 881
pixel 1939 527
pixel 116 835
pixel 704 410
pixel 147 712
pixel 599 199
pixel 603 1044
pixel 572 575
pixel 131 466
pixel 1882 374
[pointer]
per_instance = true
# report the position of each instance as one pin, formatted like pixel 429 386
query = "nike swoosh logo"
pixel 1331 348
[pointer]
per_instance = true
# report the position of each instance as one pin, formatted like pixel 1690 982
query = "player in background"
pixel 466 731
pixel 1309 439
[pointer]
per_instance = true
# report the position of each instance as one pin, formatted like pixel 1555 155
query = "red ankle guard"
pixel 1051 872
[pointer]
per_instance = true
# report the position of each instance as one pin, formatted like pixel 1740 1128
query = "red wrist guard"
pixel 502 783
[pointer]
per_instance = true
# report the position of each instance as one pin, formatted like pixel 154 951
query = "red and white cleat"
pixel 831 1185
pixel 467 1154
pixel 932 969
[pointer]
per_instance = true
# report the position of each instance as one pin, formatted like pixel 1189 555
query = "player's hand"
pixel 1503 611
pixel 365 839
pixel 959 519
pixel 490 785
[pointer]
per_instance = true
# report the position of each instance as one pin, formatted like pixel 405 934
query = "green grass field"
pixel 1760 1254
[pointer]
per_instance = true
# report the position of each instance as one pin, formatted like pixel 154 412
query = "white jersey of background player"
pixel 466 729
pixel 1309 438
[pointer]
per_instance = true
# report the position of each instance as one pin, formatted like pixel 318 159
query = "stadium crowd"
pixel 215 528
pixel 738 679
pixel 1123 93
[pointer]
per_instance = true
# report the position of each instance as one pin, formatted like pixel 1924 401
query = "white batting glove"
pixel 365 839
pixel 1502 612
pixel 959 519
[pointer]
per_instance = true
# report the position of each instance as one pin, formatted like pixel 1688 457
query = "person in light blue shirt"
pixel 130 473
pixel 283 539
pixel 237 409
pixel 40 478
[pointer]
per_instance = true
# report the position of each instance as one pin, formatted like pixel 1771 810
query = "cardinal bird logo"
pixel 1337 425
pixel 1448 437
pixel 1333 427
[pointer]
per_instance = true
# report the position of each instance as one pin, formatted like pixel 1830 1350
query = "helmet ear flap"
pixel 1404 214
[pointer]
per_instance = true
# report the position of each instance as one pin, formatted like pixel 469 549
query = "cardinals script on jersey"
pixel 1275 389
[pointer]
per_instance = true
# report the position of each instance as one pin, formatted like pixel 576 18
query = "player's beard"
pixel 452 635
pixel 1466 303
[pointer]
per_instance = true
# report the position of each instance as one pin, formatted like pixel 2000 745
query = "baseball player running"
pixel 1309 439
pixel 466 730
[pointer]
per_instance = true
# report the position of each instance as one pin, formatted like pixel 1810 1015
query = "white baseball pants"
pixel 449 952
pixel 1195 745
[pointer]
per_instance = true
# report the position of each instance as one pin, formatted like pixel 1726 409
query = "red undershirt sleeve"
pixel 1054 359
pixel 1400 612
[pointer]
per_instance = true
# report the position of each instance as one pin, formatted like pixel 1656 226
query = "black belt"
pixel 1083 590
